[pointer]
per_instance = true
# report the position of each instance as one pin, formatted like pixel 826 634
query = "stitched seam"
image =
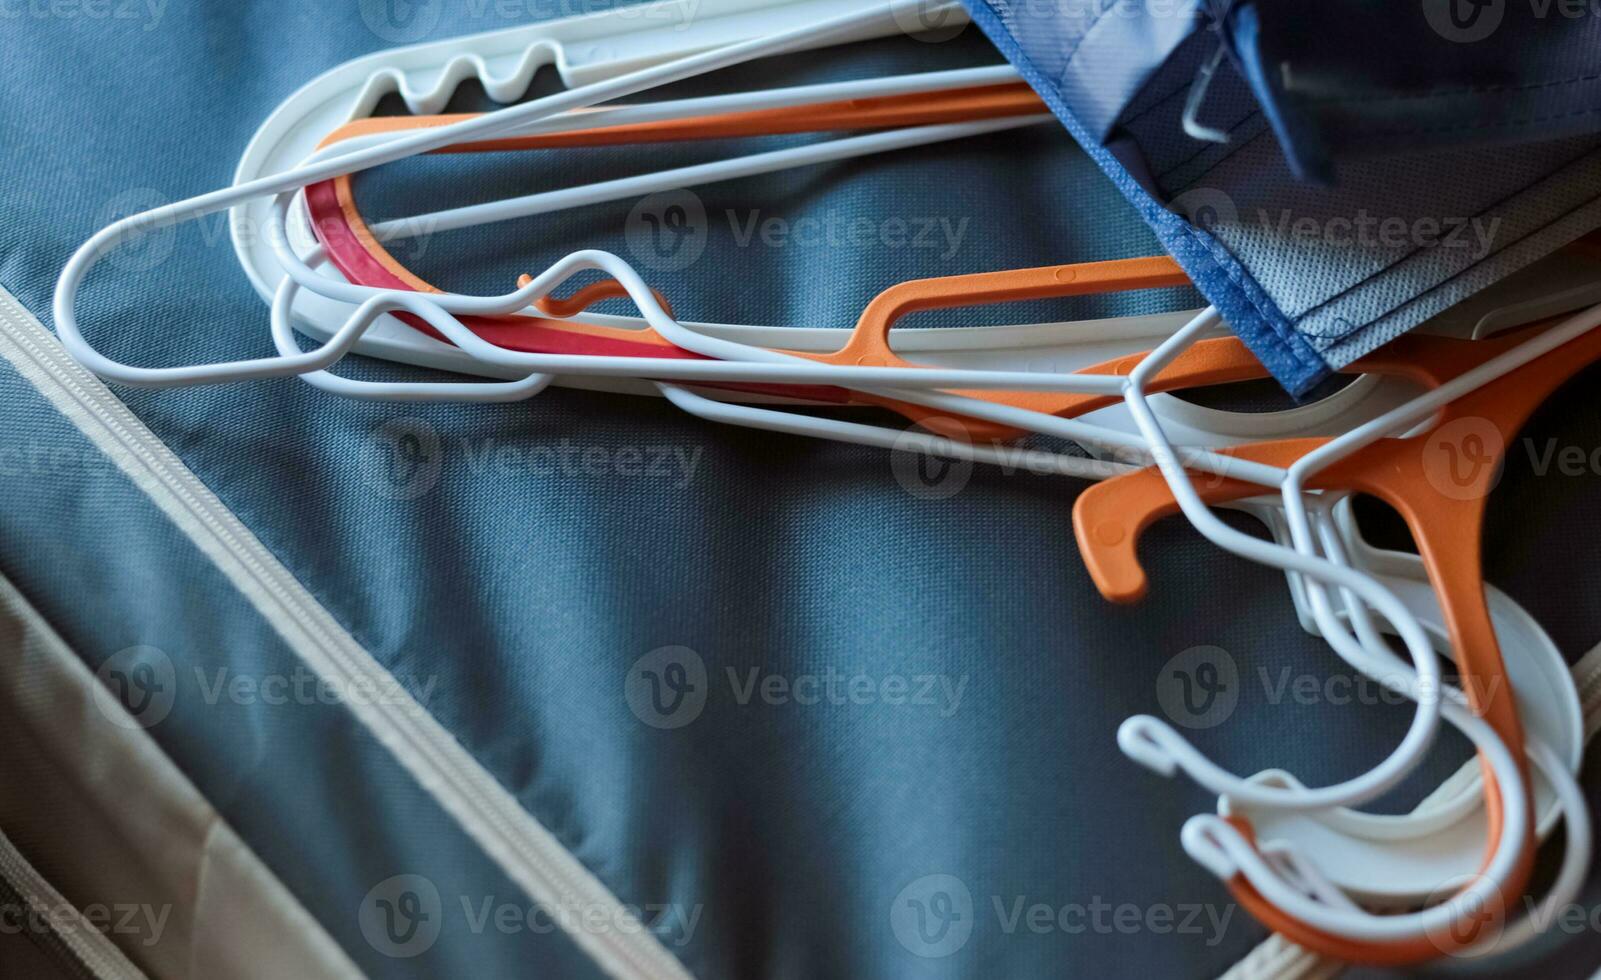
pixel 1346 338
pixel 1231 268
pixel 1413 253
pixel 1207 149
pixel 1159 102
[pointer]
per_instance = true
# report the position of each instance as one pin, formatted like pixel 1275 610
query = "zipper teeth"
pixel 486 811
pixel 89 946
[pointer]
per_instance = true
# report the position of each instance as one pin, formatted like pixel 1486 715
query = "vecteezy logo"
pixel 403 460
pixel 138 251
pixel 933 916
pixel 401 21
pixel 934 21
pixel 1478 918
pixel 137 688
pixel 401 916
pixel 666 688
pixel 1207 208
pixel 924 476
pixel 1200 687
pixel 668 231
pixel 1463 459
pixel 1464 21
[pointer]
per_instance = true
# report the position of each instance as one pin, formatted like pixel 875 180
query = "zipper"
pixel 55 927
pixel 524 849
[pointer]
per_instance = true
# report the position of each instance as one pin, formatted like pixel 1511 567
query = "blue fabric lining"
pixel 532 592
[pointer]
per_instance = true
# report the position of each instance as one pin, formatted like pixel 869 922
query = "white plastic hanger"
pixel 1217 843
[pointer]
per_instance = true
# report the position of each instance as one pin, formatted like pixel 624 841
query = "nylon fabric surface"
pixel 315 796
pixel 539 564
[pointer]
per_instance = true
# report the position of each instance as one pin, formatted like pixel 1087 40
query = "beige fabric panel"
pixel 93 804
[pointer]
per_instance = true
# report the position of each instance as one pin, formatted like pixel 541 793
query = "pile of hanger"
pixel 1361 887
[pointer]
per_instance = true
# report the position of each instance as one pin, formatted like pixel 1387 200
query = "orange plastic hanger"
pixel 357 253
pixel 1442 501
pixel 355 250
